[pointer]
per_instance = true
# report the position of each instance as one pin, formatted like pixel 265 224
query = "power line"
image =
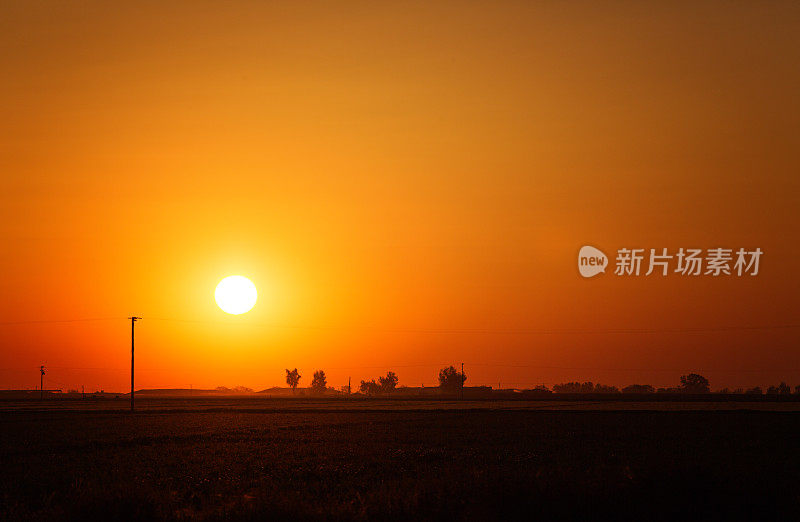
pixel 467 331
pixel 52 321
pixel 97 368
pixel 669 370
pixel 457 331
pixel 390 366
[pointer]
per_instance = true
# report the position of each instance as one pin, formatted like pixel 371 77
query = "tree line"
pixel 449 379
pixel 691 383
pixel 453 380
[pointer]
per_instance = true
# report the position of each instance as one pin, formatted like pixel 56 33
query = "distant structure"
pixel 41 382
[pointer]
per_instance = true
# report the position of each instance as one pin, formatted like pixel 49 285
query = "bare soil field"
pixel 305 404
pixel 390 460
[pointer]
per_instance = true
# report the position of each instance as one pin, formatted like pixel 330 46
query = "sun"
pixel 236 295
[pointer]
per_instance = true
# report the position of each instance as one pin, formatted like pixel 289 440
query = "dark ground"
pixel 400 464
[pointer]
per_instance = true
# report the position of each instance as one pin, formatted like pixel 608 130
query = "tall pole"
pixel 41 382
pixel 133 321
pixel 462 381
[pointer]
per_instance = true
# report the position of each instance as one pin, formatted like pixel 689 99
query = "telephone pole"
pixel 133 321
pixel 462 381
pixel 41 382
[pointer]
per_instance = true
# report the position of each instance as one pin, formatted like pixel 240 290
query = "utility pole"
pixel 133 321
pixel 349 389
pixel 462 381
pixel 41 382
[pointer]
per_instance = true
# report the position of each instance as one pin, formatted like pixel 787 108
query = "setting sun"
pixel 236 295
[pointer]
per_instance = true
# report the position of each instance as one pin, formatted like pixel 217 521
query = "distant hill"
pixel 278 391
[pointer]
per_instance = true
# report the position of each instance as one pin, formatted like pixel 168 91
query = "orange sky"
pixel 407 185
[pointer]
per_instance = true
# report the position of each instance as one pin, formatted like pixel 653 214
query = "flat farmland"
pixel 396 460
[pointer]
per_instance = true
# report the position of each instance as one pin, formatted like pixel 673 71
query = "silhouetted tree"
pixel 604 388
pixel 584 387
pixel 694 383
pixel 754 391
pixel 292 378
pixel 388 383
pixel 638 388
pixel 369 387
pixel 568 387
pixel 781 389
pixel 797 390
pixel 319 384
pixel 451 379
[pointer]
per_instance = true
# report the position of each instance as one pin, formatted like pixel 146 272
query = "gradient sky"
pixel 406 183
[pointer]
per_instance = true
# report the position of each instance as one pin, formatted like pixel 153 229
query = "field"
pixel 393 460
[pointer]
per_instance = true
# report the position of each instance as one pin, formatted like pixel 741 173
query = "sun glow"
pixel 236 295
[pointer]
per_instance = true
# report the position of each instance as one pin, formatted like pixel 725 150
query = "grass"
pixel 399 465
